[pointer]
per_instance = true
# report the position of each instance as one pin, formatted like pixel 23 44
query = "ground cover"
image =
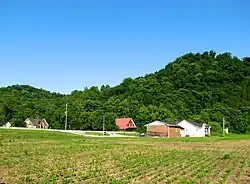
pixel 54 157
pixel 127 133
pixel 96 133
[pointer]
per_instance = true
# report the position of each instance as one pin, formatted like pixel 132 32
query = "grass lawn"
pixel 128 133
pixel 96 133
pixel 49 157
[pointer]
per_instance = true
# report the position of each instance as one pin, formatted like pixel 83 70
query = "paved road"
pixel 78 132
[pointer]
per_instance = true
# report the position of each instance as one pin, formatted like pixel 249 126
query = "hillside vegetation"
pixel 204 87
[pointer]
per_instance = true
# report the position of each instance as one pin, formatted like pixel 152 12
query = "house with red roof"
pixel 125 123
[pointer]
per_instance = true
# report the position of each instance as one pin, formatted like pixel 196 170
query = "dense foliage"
pixel 201 87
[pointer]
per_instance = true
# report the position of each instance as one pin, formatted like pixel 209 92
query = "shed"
pixel 163 129
pixel 8 125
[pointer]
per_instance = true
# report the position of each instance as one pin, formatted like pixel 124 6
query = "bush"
pixel 227 156
pixel 141 129
pixel 248 129
pixel 216 129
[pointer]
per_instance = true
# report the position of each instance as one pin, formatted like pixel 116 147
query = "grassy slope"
pixel 47 157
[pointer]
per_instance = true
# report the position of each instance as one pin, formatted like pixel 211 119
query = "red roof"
pixel 125 123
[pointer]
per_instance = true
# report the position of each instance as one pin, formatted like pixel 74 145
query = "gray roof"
pixel 33 121
pixel 174 125
pixel 196 124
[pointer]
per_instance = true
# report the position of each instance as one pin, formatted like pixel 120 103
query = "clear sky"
pixel 63 45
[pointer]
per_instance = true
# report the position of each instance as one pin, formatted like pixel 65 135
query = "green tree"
pixel 203 87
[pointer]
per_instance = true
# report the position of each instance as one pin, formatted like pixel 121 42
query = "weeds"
pixel 227 156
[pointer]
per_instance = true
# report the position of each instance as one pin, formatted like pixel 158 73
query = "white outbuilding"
pixel 8 125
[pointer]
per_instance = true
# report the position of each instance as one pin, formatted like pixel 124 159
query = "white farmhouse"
pixel 193 129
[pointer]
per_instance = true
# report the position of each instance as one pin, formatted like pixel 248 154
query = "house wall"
pixel 29 126
pixel 191 130
pixel 162 130
pixel 157 130
pixel 42 125
pixel 174 132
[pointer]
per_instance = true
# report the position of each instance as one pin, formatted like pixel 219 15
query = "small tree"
pixel 141 129
pixel 216 129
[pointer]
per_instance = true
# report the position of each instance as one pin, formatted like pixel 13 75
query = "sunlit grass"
pixel 54 157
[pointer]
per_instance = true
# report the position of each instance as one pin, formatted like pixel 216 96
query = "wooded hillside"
pixel 203 87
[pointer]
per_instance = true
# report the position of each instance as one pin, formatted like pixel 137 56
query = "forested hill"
pixel 204 87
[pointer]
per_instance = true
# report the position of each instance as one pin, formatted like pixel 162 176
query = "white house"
pixel 193 129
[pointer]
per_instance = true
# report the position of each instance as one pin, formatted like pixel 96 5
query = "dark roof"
pixel 196 124
pixel 174 125
pixel 34 120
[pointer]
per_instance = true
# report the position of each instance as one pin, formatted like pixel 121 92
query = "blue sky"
pixel 66 45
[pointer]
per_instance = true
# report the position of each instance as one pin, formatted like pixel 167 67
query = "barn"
pixel 162 129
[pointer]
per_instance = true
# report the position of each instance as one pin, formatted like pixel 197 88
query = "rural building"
pixel 194 129
pixel 125 123
pixel 162 129
pixel 36 123
pixel 226 131
pixel 8 125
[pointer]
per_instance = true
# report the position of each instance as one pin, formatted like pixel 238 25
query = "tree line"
pixel 202 87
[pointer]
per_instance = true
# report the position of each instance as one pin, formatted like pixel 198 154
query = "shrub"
pixel 141 129
pixel 248 129
pixel 227 156
pixel 216 129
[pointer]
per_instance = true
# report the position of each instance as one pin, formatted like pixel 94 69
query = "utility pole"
pixel 103 124
pixel 66 118
pixel 223 126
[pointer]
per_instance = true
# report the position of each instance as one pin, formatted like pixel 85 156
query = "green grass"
pixel 182 139
pixel 128 133
pixel 54 157
pixel 96 133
